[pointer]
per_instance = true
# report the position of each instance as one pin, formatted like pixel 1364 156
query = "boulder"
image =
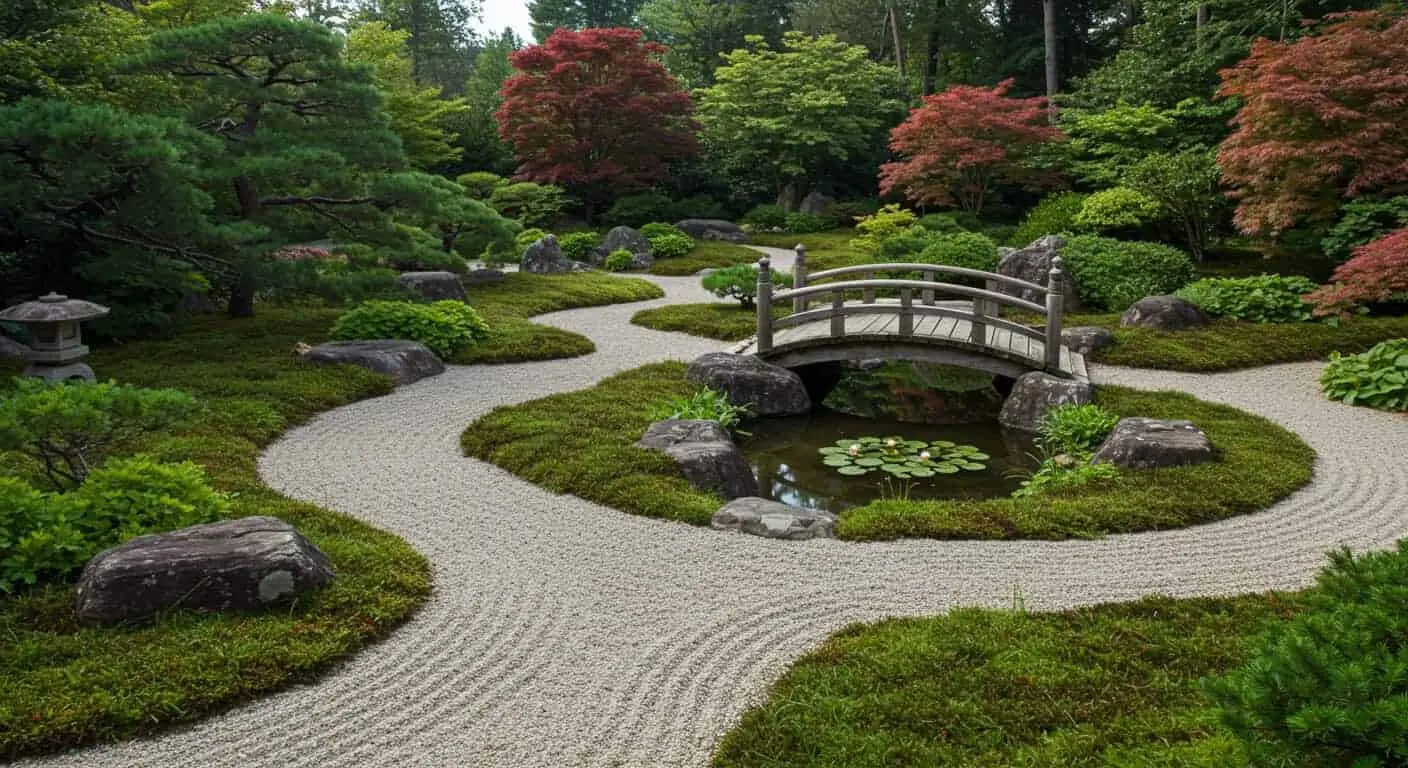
pixel 434 286
pixel 545 257
pixel 642 261
pixel 774 520
pixel 407 361
pixel 233 565
pixel 706 453
pixel 814 203
pixel 623 238
pixel 712 229
pixel 1164 313
pixel 1036 393
pixel 483 277
pixel 1084 339
pixel 9 348
pixel 1033 264
pixel 766 389
pixel 1142 443
pixel 198 303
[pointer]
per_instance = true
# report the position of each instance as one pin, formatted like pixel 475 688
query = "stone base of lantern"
pixel 60 373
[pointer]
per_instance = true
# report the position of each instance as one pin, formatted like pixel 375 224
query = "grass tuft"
pixel 707 254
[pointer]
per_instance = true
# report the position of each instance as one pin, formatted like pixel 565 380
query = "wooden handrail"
pixel 832 312
pixel 933 268
pixel 862 285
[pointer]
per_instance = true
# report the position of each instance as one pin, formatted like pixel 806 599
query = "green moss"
pixel 583 443
pixel 825 250
pixel 1112 685
pixel 723 321
pixel 707 254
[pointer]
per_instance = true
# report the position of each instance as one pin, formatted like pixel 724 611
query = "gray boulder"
pixel 622 238
pixel 545 257
pixel 234 565
pixel 1033 264
pixel 435 286
pixel 642 261
pixel 1142 443
pixel 773 520
pixel 483 277
pixel 767 390
pixel 198 303
pixel 1084 339
pixel 712 229
pixel 814 203
pixel 1036 393
pixel 1164 313
pixel 10 348
pixel 407 361
pixel 705 453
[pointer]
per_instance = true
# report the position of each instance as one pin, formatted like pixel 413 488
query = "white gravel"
pixel 562 633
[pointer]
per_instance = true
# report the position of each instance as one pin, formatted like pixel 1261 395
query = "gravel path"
pixel 562 633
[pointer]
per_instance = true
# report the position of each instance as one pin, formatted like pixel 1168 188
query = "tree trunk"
pixel 931 51
pixel 247 195
pixel 1048 23
pixel 1199 24
pixel 899 50
pixel 789 197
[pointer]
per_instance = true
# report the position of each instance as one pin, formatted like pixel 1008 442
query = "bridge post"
pixel 978 333
pixel 927 295
pixel 764 300
pixel 867 295
pixel 906 312
pixel 799 277
pixel 1055 300
pixel 838 314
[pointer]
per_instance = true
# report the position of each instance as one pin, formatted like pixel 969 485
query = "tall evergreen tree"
pixel 549 15
pixel 419 116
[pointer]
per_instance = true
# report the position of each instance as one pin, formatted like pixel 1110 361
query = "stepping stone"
pixel 774 520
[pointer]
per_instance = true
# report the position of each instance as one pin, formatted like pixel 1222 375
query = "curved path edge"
pixel 563 633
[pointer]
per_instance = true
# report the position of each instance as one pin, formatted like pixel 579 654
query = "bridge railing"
pixel 982 312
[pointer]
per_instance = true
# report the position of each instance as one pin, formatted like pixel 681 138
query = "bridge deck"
pixel 881 328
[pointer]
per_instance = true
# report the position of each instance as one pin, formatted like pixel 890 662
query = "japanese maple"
pixel 1322 118
pixel 961 142
pixel 1376 272
pixel 595 111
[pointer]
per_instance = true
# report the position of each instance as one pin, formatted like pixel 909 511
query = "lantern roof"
pixel 53 308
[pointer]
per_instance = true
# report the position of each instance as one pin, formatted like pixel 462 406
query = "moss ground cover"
pixel 66 686
pixel 583 443
pixel 1106 685
pixel 707 254
pixel 724 321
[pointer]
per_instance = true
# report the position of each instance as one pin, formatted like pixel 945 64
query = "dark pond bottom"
pixel 784 455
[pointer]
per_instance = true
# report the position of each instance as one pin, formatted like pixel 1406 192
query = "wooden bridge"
pixel 930 321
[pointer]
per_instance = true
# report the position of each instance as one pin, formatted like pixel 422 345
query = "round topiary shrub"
pixel 802 223
pixel 655 229
pixel 1260 299
pixel 961 249
pixel 670 246
pixel 741 282
pixel 444 326
pixel 635 210
pixel 1112 274
pixel 1115 209
pixel 940 223
pixel 619 260
pixel 1328 686
pixel 904 245
pixel 529 236
pixel 578 246
pixel 1377 378
pixel 1054 215
pixel 766 217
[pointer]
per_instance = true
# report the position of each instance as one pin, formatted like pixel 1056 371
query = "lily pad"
pixel 852 470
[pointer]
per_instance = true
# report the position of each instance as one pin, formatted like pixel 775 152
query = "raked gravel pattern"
pixel 563 633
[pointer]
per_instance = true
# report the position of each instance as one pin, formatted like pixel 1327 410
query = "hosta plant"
pixel 1377 378
pixel 902 458
pixel 1259 299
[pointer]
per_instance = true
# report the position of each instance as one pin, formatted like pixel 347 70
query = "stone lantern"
pixel 57 344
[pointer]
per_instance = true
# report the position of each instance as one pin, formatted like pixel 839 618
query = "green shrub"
pixel 1260 299
pixel 803 223
pixel 444 326
pixel 706 405
pixel 578 246
pixel 531 204
pixel 1115 209
pixel 670 246
pixel 843 214
pixel 1076 430
pixel 1112 274
pixel 70 428
pixel 1377 378
pixel 635 210
pixel 699 207
pixel 1364 220
pixel 1328 687
pixel 1063 471
pixel 619 260
pixel 49 536
pixel 480 185
pixel 767 217
pixel 528 236
pixel 741 282
pixel 1054 215
pixel 655 229
pixel 940 223
pixel 999 233
pixel 877 228
pixel 903 245
pixel 961 249
pixel 354 286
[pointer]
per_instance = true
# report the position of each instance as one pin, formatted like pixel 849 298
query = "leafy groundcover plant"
pixel 1260 299
pixel 444 326
pixel 1377 378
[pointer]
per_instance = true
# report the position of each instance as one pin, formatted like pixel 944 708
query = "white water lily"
pixel 855 449
pixel 923 455
pixel 890 443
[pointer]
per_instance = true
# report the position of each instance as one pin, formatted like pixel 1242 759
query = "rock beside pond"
pixel 1036 393
pixel 1084 339
pixel 435 286
pixel 234 565
pixel 712 229
pixel 774 520
pixel 407 361
pixel 1164 313
pixel 768 390
pixel 1143 443
pixel 706 453
pixel 1033 264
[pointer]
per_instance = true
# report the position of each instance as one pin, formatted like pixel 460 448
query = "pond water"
pixel 785 456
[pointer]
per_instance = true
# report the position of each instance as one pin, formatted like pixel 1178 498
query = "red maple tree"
pixel 961 142
pixel 1376 272
pixel 1322 118
pixel 595 111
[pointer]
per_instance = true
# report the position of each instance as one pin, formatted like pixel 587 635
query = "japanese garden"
pixel 703 382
